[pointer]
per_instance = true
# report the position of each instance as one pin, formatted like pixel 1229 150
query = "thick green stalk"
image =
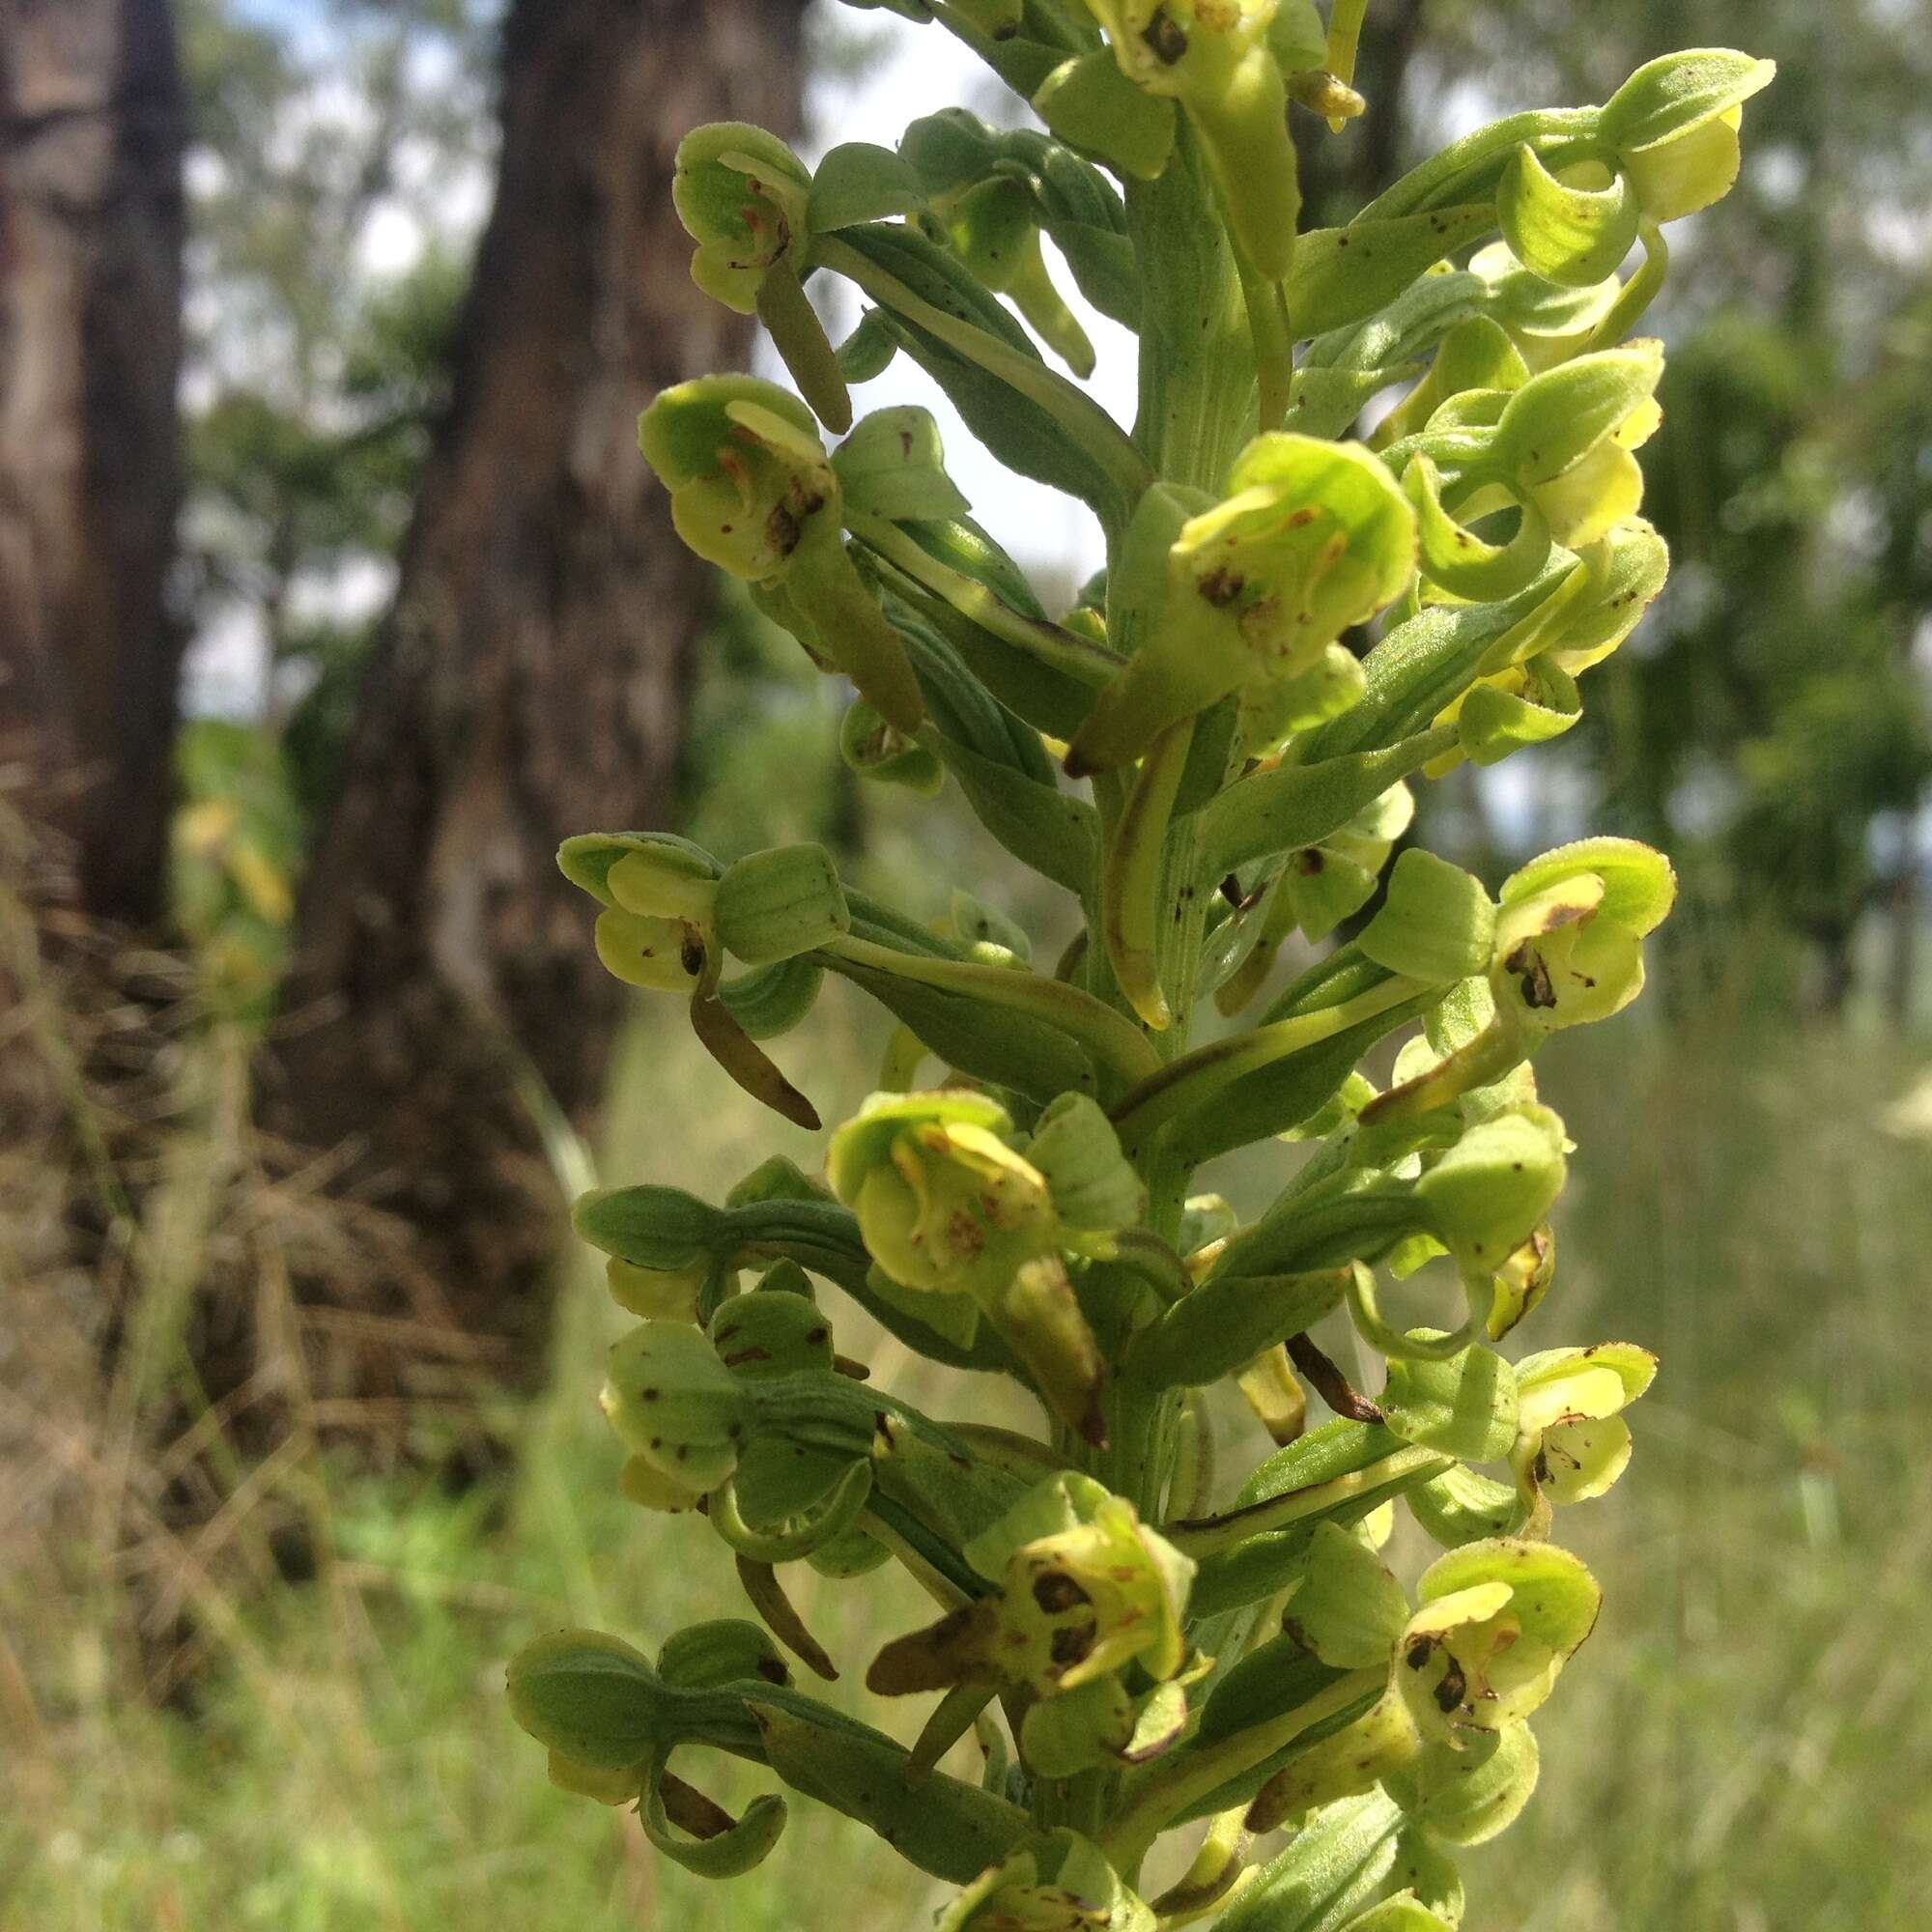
pixel 1197 379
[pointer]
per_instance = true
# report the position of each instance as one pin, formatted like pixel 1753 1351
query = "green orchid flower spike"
pixel 1376 517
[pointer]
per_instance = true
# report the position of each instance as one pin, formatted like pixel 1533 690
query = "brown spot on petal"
pixel 1070 1646
pixel 1055 1591
pixel 1165 37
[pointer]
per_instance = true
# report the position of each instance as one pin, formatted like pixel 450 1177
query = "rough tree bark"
pixel 90 226
pixel 532 679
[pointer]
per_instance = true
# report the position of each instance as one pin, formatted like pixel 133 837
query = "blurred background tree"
pixel 91 234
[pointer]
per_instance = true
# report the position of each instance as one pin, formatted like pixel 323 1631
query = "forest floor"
pixel 1745 1745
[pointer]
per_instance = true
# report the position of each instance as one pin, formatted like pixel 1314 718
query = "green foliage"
pixel 1134 1649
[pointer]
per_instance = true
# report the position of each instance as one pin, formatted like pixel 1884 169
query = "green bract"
pixel 1222 745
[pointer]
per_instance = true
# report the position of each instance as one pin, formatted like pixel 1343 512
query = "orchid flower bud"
pixel 743 196
pixel 1495 1622
pixel 752 491
pixel 1084 1589
pixel 1215 60
pixel 1570 933
pixel 1674 127
pixel 1311 538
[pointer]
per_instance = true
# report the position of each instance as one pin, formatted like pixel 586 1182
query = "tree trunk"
pixel 91 225
pixel 532 676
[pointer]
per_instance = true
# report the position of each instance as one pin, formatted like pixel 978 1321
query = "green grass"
pixel 1743 1747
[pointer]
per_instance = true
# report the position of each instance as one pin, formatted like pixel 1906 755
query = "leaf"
pixel 948 1828
pixel 1331 1870
pixel 1343 274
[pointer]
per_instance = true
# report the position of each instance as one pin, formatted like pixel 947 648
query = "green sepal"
pixel 1557 417
pixel 858 182
pixel 671 1401
pixel 1088 1727
pixel 1344 1603
pixel 660 1228
pixel 1485 1195
pixel 1668 97
pixel 781 903
pixel 1494 719
pixel 1089 103
pixel 894 465
pixel 1464 1407
pixel 722 1650
pixel 1074 1146
pixel 593 1699
pixel 586 859
pixel 1465 1506
pixel 1435 924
